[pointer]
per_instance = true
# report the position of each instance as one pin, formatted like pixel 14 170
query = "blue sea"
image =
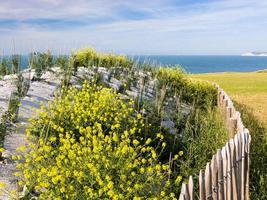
pixel 209 64
pixel 204 64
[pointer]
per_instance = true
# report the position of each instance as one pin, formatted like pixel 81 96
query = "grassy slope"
pixel 246 88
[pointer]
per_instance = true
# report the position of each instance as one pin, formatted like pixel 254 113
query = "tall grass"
pixel 62 62
pixel 67 66
pixel 3 128
pixel 204 133
pixel 4 67
pixel 22 84
pixel 13 107
pixel 16 61
pixel 40 62
pixel 258 153
pixel 8 117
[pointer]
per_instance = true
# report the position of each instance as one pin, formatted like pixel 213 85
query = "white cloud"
pixel 217 27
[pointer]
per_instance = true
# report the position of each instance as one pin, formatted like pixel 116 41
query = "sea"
pixel 201 64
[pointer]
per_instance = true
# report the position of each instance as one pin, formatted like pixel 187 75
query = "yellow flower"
pixel 143 160
pixel 148 141
pixel 2 185
pixel 16 174
pixel 135 142
pixel 178 180
pixel 53 139
pixel 62 189
pixel 154 155
pixel 20 183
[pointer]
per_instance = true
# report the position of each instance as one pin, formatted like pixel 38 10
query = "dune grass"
pixel 249 89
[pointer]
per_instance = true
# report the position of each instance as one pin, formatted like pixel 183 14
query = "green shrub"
pixel 170 82
pixel 173 82
pixel 88 148
pixel 172 78
pixel 200 94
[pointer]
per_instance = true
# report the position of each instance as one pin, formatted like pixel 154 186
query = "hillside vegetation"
pixel 116 129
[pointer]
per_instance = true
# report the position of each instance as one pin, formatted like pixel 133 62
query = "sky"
pixel 176 27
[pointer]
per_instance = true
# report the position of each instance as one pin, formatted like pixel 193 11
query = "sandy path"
pixel 38 92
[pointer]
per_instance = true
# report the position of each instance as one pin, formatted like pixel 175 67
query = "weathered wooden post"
pixel 220 175
pixel 202 193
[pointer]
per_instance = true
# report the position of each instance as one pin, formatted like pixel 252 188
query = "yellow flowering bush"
pixel 85 57
pixel 88 57
pixel 76 110
pixel 89 147
pixel 111 60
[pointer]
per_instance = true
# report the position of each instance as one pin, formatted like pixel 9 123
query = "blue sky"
pixel 182 27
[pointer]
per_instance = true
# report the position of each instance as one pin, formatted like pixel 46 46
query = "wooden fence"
pixel 226 176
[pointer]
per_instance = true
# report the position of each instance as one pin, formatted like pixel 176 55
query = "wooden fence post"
pixel 233 169
pixel 238 164
pixel 225 175
pixel 229 172
pixel 184 192
pixel 214 177
pixel 202 193
pixel 220 175
pixel 182 197
pixel 232 125
pixel 191 188
pixel 208 188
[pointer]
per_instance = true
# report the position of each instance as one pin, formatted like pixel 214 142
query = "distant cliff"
pixel 255 54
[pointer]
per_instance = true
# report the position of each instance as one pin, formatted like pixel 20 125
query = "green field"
pixel 249 89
